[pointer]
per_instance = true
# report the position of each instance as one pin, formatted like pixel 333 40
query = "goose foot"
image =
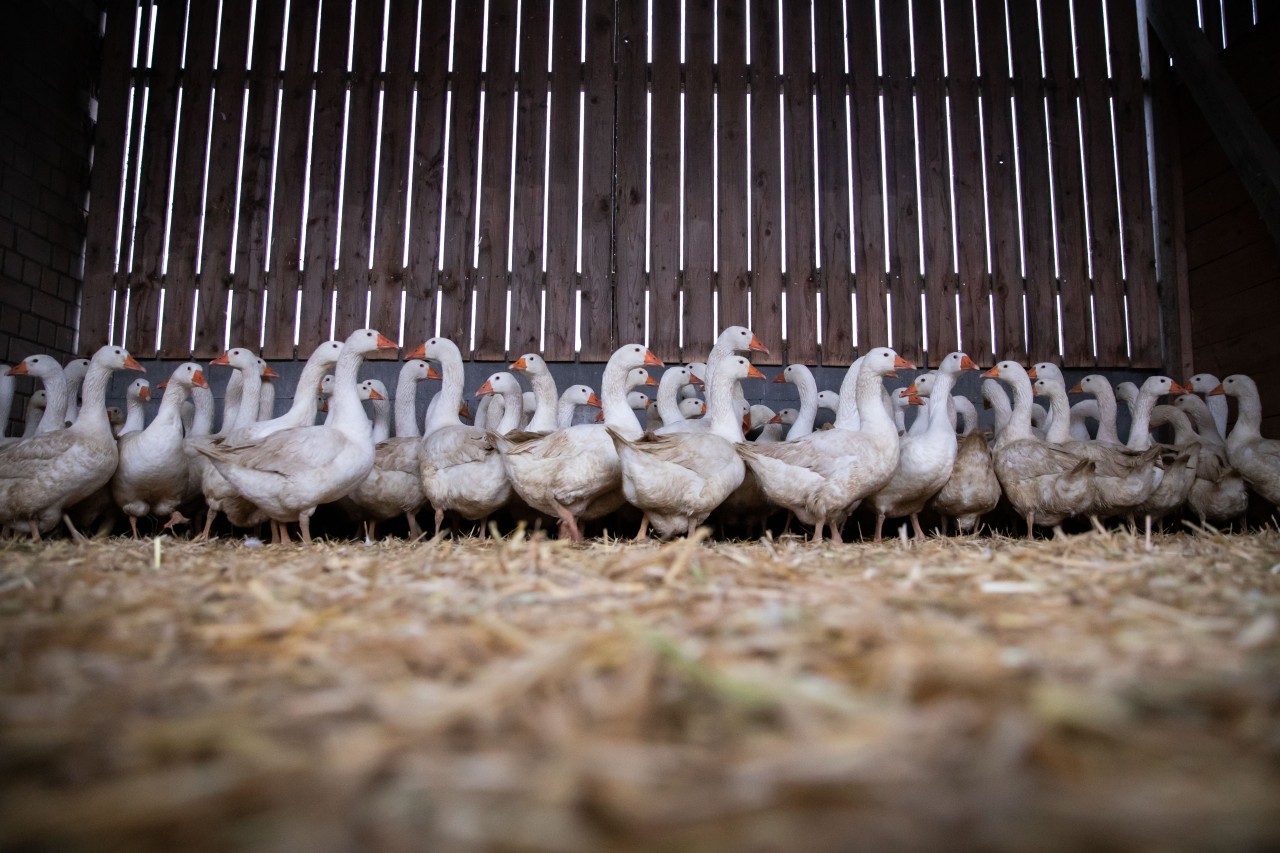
pixel 415 531
pixel 209 518
pixel 176 518
pixel 304 527
pixel 133 525
pixel 35 529
pixel 879 526
pixel 71 528
pixel 439 521
pixel 642 535
pixel 915 524
pixel 835 533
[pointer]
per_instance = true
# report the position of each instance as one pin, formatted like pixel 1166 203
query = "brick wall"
pixel 48 64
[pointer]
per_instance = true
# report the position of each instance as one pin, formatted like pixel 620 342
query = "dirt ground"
pixel 963 694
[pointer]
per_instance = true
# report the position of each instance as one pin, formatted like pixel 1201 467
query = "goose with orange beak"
pixel 291 472
pixel 41 476
pixel 574 474
pixel 1256 458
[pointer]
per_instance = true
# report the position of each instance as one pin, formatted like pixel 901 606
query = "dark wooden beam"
pixel 1253 154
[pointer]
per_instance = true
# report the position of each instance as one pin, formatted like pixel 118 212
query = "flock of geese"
pixel 678 460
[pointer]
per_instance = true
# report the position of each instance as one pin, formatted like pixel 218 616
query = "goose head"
pixel 76 369
pixel 419 370
pixel 435 349
pixel 1158 386
pixel 956 363
pixel 139 389
pixel 530 363
pixel 1236 385
pixel 238 358
pixel 1046 370
pixel 884 361
pixel 922 386
pixel 741 339
pixel 372 389
pixel 1091 384
pixel 326 354
pixel 187 376
pixel 581 395
pixel 1203 383
pixel 368 340
pixel 116 358
pixel 638 377
pixel 681 376
pixel 500 383
pixel 828 400
pixel 692 407
pixel 1127 392
pixel 39 366
pixel 638 400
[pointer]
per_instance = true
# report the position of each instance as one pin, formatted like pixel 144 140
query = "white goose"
pixel 802 377
pixel 48 472
pixel 574 474
pixel 136 397
pixel 36 405
pixel 54 380
pixel 573 397
pixel 302 412
pixel 545 395
pixel 151 478
pixel 732 340
pixel 1205 384
pixel 75 372
pixel 1219 495
pixel 291 472
pixel 1256 458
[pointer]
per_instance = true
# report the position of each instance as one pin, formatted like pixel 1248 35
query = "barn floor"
pixel 978 693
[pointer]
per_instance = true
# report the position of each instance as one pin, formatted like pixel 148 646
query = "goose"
pixel 291 472
pixel 965 413
pixel 733 340
pixel 972 490
pixel 1205 384
pixel 75 372
pixel 573 397
pixel 1105 398
pixel 136 397
pixel 57 469
pixel 674 381
pixel 54 380
pixel 151 477
pixel 1179 475
pixel 574 474
pixel 412 373
pixel 115 417
pixel 324 393
pixel 807 388
pixel 825 475
pixel 1045 484
pixel 1256 458
pixel 37 403
pixel 925 458
pixel 1151 389
pixel 677 479
pixel 302 412
pixel 267 392
pixel 1218 495
pixel 1083 411
pixel 692 407
pixel 374 391
pixel 829 401
pixel 545 394
pixel 240 411
pixel 699 370
pixel 995 398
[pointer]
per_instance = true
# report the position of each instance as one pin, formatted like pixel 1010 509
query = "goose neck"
pixel 55 410
pixel 1140 425
pixel 407 403
pixel 613 396
pixel 1248 413
pixel 1059 431
pixel 231 402
pixel 511 411
pixel 202 422
pixel 544 391
pixel 668 405
pixel 721 411
pixel 1106 397
pixel 346 412
pixel 942 413
pixel 872 413
pixel 847 416
pixel 807 388
pixel 93 394
pixel 250 396
pixel 448 400
pixel 305 396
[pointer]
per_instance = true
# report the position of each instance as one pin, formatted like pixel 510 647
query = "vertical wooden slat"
pixel 835 281
pixel 387 280
pixel 1033 160
pixel 733 281
pixel 1104 216
pixel 250 279
pixel 900 169
pixel 1135 191
pixel 935 182
pixel 1170 246
pixel 104 183
pixel 180 284
pixel 1006 276
pixel 326 153
pixel 490 277
pixel 136 137
pixel 868 187
pixel 422 276
pixel 699 200
pixel 224 150
pixel 664 222
pixel 801 281
pixel 526 262
pixel 562 203
pixel 966 149
pixel 157 151
pixel 598 184
pixel 1238 21
pixel 766 179
pixel 1076 317
pixel 631 154
pixel 291 167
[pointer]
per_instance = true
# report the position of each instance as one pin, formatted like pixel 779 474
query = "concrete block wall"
pixel 48 66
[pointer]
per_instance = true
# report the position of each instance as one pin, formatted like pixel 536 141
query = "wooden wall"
pixel 1233 264
pixel 576 174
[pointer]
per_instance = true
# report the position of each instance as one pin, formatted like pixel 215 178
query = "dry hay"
pixel 533 695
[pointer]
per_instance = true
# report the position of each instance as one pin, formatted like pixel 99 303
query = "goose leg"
pixel 35 530
pixel 304 527
pixel 370 531
pixel 915 524
pixel 835 532
pixel 209 518
pixel 439 521
pixel 568 524
pixel 643 533
pixel 71 528
pixel 283 526
pixel 693 528
pixel 817 531
pixel 415 531
pixel 133 525
pixel 1031 525
pixel 176 518
pixel 879 525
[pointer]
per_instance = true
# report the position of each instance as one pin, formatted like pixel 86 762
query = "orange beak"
pixel 781 377
pixel 519 364
pixel 993 373
pixel 695 381
pixel 431 373
pixel 1076 389
pixel 1175 388
pixel 599 416
pixel 915 400
pixel 1218 392
pixel 967 363
pixel 419 352
pixel 1031 374
pixel 911 390
pixel 464 411
pixel 132 364
pixel 900 363
pixel 752 373
pixel 222 359
pixel 650 381
pixel 324 407
pixel 144 394
pixel 776 419
pixel 704 408
pixel 757 346
pixel 374 395
pixel 270 374
pixel 651 360
pixel 163 385
pixel 746 423
pixel 593 400
pixel 486 388
pixel 386 343
pixel 197 379
pixel 19 369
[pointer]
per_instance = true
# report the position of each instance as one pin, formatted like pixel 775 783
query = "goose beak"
pixel 270 374
pixel 19 369
pixel 599 416
pixel 386 343
pixel 1218 391
pixel 915 400
pixel 324 407
pixel 757 346
pixel 486 388
pixel 746 423
pixel 781 377
pixel 419 352
pixel 650 381
pixel 163 385
pixel 519 364
pixel 197 379
pixel 1031 374
pixel 900 363
pixel 144 394
pixel 225 358
pixel 695 381
pixel 651 360
pixel 374 395
pixel 431 373
pixel 1076 389
pixel 1175 388
pixel 776 419
pixel 993 373
pixel 132 364
pixel 752 373
pixel 593 400
pixel 967 363
pixel 911 391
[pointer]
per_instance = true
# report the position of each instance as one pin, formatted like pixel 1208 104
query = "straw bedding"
pixel 531 695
